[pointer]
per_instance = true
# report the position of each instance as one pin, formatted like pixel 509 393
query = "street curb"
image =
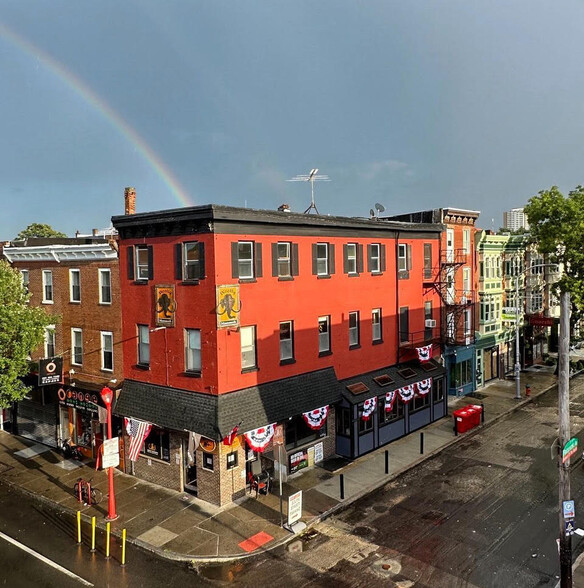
pixel 195 561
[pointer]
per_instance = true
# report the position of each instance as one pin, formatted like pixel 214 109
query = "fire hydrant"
pixel 527 390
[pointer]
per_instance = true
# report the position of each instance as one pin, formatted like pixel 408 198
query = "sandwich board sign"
pixel 294 508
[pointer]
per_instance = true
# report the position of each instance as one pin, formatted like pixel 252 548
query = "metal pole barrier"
pixel 79 526
pixel 124 547
pixel 280 480
pixel 455 426
pixel 482 413
pixel 421 443
pixel 92 534
pixel 342 483
pixel 387 461
pixel 107 540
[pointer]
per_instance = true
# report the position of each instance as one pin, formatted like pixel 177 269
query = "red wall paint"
pixel 267 302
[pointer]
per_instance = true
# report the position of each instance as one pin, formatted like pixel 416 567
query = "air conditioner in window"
pixel 430 323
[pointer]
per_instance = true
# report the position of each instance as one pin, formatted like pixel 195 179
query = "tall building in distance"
pixel 515 219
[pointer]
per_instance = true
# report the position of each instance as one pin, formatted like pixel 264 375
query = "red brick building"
pixel 241 319
pixel 77 280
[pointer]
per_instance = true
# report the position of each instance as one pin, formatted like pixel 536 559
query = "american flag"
pixel 138 431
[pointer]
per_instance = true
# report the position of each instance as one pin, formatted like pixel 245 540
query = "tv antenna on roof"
pixel 311 177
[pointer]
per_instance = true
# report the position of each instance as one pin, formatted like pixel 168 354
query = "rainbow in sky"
pixel 102 107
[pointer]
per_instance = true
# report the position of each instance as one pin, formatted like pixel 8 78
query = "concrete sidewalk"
pixel 179 526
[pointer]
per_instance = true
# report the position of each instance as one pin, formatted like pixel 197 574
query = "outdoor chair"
pixel 259 479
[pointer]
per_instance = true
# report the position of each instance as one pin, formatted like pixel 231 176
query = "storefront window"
pixel 438 390
pixel 396 413
pixel 157 444
pixel 461 373
pixel 420 402
pixel 344 422
pixel 299 433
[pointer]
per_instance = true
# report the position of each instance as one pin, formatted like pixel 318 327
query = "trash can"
pixel 476 410
pixel 462 420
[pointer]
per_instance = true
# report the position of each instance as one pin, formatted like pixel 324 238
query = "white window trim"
pixel 138 265
pixel 75 330
pixel 140 341
pixel 376 258
pixel 352 259
pixel 290 339
pixel 186 263
pixel 248 348
pixel 286 259
pixel 402 257
pixel 101 273
pixel 327 320
pixel 325 259
pixel 103 335
pixel 251 261
pixel 376 311
pixel 72 272
pixel 49 329
pixel 45 284
pixel 354 329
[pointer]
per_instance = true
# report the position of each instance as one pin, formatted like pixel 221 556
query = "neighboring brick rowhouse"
pixel 130 201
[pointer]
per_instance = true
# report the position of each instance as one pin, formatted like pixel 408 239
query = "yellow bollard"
pixel 92 534
pixel 107 540
pixel 124 547
pixel 79 526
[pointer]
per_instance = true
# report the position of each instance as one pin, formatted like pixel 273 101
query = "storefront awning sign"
pixel 389 400
pixel 315 418
pixel 424 353
pixel 258 439
pixel 406 393
pixel 424 386
pixel 368 408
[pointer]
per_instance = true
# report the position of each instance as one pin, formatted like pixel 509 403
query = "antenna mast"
pixel 311 177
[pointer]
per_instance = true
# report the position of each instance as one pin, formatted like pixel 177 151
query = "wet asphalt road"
pixel 482 513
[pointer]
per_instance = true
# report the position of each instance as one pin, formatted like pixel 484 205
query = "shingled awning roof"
pixel 214 416
pixel 421 371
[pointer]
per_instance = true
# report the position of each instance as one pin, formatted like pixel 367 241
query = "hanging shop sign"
pixel 258 439
pixel 368 408
pixel 165 308
pixel 50 371
pixel 79 399
pixel 315 418
pixel 207 445
pixel 537 320
pixel 406 393
pixel 425 352
pixel 569 449
pixel 424 386
pixel 297 461
pixel 228 306
pixel 389 400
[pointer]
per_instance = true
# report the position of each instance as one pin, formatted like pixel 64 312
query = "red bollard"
pixel 527 390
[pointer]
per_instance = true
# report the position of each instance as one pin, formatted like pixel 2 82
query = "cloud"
pixel 377 169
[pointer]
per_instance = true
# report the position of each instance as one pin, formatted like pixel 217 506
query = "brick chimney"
pixel 130 201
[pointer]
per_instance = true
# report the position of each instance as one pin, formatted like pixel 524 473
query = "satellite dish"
pixel 371 212
pixel 379 207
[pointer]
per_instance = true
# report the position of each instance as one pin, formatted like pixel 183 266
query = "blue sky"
pixel 414 104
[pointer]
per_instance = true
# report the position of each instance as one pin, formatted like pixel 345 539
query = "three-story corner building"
pixel 454 276
pixel 76 279
pixel 235 320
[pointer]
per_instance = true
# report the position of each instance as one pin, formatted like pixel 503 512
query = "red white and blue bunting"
pixel 406 393
pixel 424 386
pixel 369 407
pixel 389 400
pixel 424 353
pixel 315 418
pixel 258 439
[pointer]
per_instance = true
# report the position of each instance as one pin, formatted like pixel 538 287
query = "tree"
pixel 557 226
pixel 22 329
pixel 39 230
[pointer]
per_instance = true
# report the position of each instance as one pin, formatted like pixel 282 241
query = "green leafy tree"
pixel 22 330
pixel 557 226
pixel 39 230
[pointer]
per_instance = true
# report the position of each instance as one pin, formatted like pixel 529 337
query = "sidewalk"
pixel 179 526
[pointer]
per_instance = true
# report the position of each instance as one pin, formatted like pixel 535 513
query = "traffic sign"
pixel 569 510
pixel 570 528
pixel 569 449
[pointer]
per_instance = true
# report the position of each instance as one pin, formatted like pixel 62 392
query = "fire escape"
pixel 457 317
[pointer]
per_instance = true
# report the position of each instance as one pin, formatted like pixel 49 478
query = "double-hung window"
pixel 25 279
pixel 427 261
pixel 248 348
pixel 107 351
pixel 322 259
pixel 324 334
pixel 404 324
pixel 191 261
pixel 193 350
pixel 286 340
pixel 404 260
pixel 143 345
pixel 245 259
pixel 142 272
pixel 353 329
pixel 50 341
pixel 351 259
pixel 376 325
pixel 466 241
pixel 284 265
pixel 375 258
pixel 77 346
pixel 105 286
pixel 74 285
pixel 48 286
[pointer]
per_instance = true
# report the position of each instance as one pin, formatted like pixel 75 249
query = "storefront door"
pixel 190 470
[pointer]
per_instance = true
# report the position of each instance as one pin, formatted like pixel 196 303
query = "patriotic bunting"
pixel 389 400
pixel 424 386
pixel 137 431
pixel 424 353
pixel 228 439
pixel 368 408
pixel 315 418
pixel 407 392
pixel 258 439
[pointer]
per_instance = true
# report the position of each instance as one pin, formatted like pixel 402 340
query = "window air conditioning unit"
pixel 430 323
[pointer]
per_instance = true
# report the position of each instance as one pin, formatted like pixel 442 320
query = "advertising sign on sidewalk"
pixel 294 508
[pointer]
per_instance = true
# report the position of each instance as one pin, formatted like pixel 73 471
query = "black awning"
pixel 421 371
pixel 215 416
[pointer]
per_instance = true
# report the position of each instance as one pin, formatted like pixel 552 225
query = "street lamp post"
pixel 107 396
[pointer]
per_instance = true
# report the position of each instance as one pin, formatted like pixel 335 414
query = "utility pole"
pixel 564 437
